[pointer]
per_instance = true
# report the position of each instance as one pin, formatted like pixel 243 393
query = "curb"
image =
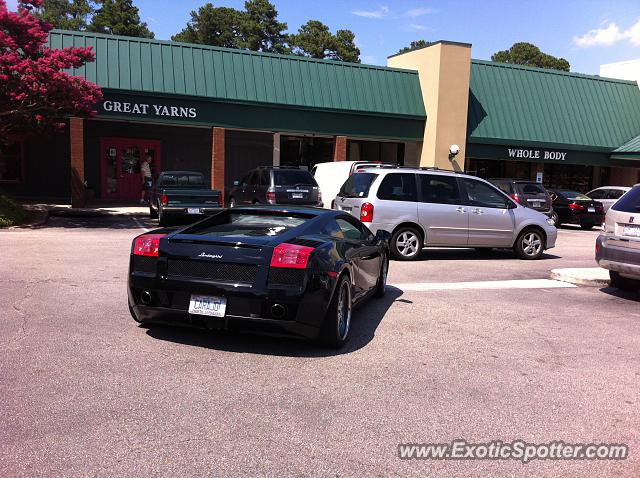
pixel 66 212
pixel 588 276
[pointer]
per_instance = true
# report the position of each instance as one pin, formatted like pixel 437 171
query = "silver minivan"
pixel 438 208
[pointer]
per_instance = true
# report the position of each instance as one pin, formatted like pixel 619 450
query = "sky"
pixel 587 33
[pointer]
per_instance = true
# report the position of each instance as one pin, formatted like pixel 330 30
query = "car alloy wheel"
pixel 555 218
pixel 344 310
pixel 530 244
pixel 407 244
pixel 232 202
pixel 381 286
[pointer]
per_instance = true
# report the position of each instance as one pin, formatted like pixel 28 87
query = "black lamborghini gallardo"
pixel 272 269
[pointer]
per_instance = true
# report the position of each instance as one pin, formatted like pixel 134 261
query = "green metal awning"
pixel 240 76
pixel 518 105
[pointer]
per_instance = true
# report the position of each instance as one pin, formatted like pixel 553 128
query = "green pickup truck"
pixel 182 194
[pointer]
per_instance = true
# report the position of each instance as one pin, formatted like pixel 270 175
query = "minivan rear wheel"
pixel 530 244
pixel 406 244
pixel 623 283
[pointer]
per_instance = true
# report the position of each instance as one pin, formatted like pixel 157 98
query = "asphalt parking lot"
pixel 85 391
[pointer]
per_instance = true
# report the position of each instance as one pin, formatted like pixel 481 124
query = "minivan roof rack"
pixel 278 167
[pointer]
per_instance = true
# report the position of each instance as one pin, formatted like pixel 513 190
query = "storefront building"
pixel 223 112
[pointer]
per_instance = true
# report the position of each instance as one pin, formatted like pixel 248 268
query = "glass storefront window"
pixel 305 152
pixel 11 164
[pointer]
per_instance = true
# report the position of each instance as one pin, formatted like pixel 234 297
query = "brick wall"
pixel 76 137
pixel 340 149
pixel 217 161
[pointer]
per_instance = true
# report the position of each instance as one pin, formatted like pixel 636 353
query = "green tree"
pixel 119 17
pixel 316 41
pixel 260 28
pixel 528 54
pixel 415 45
pixel 66 14
pixel 217 26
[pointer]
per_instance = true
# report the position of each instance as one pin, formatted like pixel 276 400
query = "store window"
pixel 11 164
pixel 305 151
pixel 376 151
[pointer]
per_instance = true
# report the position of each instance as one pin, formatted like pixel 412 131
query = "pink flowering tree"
pixel 35 94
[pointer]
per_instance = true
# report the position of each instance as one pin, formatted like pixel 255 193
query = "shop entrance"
pixel 121 159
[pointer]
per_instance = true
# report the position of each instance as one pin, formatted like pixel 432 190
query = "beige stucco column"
pixel 444 69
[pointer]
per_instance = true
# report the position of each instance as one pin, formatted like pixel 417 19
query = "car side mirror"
pixel 236 183
pixel 382 236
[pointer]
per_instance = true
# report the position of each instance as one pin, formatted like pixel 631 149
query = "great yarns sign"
pixel 149 109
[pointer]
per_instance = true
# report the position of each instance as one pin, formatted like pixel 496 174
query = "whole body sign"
pixel 516 153
pixel 149 109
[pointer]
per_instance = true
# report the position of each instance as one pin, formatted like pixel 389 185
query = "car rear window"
pixel 630 202
pixel 293 178
pixel 357 186
pixel 249 224
pixel 182 180
pixel 531 188
pixel 572 195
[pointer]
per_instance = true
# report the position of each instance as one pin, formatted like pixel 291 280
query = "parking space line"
pixel 139 223
pixel 497 284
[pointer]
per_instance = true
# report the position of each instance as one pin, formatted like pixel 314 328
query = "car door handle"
pixel 478 211
pixel 461 209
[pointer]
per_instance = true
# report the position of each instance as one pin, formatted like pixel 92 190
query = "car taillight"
pixel 319 197
pixel 576 207
pixel 333 204
pixel 147 245
pixel 291 256
pixel 271 196
pixel 516 198
pixel 164 200
pixel 366 212
pixel 597 246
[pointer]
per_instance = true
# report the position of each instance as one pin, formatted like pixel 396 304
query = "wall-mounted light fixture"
pixel 453 151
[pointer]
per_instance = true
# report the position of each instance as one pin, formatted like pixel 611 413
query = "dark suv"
pixel 528 193
pixel 276 185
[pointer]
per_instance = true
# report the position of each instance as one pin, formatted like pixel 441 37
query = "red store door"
pixel 120 162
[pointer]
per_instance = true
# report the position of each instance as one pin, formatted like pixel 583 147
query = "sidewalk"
pixel 588 276
pixel 39 212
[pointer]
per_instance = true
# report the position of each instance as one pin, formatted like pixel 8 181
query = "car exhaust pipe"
pixel 146 297
pixel 278 311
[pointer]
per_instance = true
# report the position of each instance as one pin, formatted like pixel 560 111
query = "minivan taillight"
pixel 366 212
pixel 291 256
pixel 271 196
pixel 164 200
pixel 147 245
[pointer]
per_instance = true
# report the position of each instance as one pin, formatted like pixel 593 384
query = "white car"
pixel 332 175
pixel 608 195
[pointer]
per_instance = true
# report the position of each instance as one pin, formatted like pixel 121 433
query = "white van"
pixel 332 175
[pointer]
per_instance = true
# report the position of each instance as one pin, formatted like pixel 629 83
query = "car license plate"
pixel 193 210
pixel 591 209
pixel 207 305
pixel 297 195
pixel 536 203
pixel 631 230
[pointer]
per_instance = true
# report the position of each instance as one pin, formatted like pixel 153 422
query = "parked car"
pixel 274 269
pixel 180 194
pixel 528 193
pixel 608 195
pixel 429 207
pixel 331 176
pixel 276 185
pixel 572 207
pixel 618 247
